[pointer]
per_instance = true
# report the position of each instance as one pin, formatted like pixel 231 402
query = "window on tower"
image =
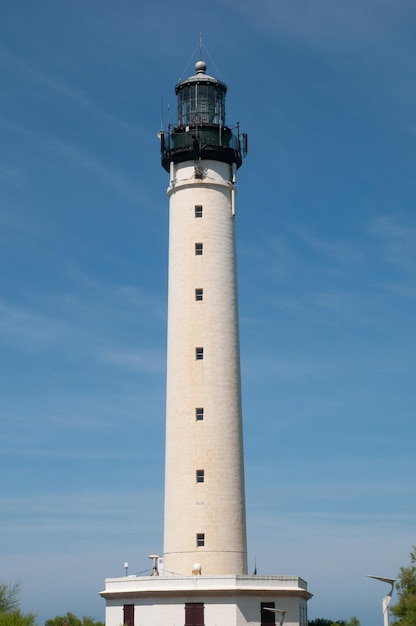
pixel 200 476
pixel 199 294
pixel 198 210
pixel 200 540
pixel 198 249
pixel 199 354
pixel 199 413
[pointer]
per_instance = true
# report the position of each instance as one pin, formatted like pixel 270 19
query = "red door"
pixel 194 614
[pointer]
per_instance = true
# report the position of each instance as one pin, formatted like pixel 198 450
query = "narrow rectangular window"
pixel 199 294
pixel 200 476
pixel 194 614
pixel 199 413
pixel 200 540
pixel 199 354
pixel 198 249
pixel 198 210
pixel 128 614
pixel 267 617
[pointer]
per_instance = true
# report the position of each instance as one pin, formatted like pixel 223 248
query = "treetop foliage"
pixel 405 609
pixel 17 618
pixel 9 597
pixel 69 619
pixel 10 614
pixel 320 621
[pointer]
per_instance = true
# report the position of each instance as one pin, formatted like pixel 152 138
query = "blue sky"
pixel 326 232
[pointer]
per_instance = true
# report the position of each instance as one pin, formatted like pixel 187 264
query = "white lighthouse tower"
pixel 202 578
pixel 204 481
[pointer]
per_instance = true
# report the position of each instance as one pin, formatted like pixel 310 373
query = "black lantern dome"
pixel 201 132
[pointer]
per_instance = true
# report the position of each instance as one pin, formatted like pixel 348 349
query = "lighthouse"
pixel 201 577
pixel 204 519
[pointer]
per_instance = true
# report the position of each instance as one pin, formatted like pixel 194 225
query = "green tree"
pixel 10 613
pixel 17 618
pixel 9 597
pixel 320 621
pixel 405 609
pixel 69 619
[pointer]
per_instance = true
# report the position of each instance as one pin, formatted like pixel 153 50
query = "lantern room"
pixel 201 99
pixel 201 132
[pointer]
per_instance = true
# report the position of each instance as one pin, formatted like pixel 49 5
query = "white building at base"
pixel 210 600
pixel 202 579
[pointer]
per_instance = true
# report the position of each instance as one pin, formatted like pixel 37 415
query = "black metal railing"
pixel 217 136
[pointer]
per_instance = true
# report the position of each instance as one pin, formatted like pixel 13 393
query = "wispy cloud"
pixel 398 239
pixel 273 254
pixel 332 523
pixel 283 369
pixel 400 289
pixel 17 220
pixel 9 125
pixel 48 453
pixel 30 330
pixel 143 299
pixel 10 176
pixel 138 361
pixel 342 305
pixel 354 25
pixel 131 190
pixel 85 512
pixel 44 83
pixel 345 253
pixel 68 321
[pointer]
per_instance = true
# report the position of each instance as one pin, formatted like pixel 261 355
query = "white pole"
pixel 387 599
